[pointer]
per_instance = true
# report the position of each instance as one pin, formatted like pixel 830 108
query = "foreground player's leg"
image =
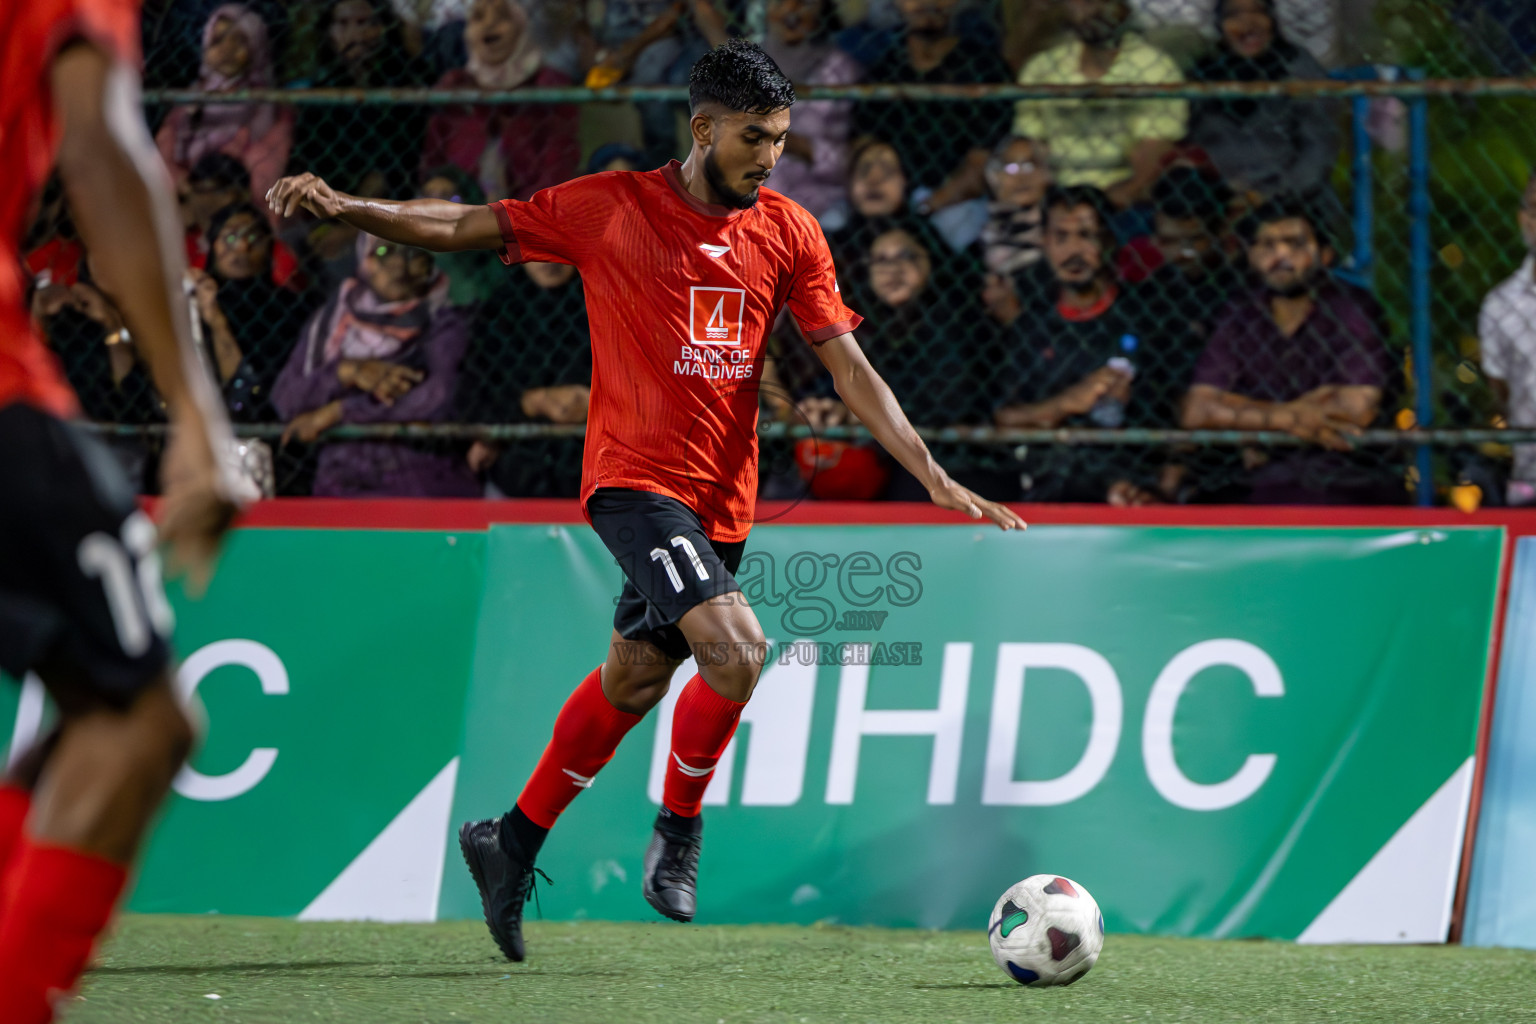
pixel 500 852
pixel 93 802
pixel 732 648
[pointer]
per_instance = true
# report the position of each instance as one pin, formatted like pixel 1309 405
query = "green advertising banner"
pixel 1221 732
pixel 331 670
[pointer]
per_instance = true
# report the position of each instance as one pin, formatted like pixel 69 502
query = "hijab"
pixel 357 324
pixel 1227 65
pixel 210 127
pixel 519 67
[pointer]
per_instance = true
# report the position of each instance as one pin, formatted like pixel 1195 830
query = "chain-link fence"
pixel 1175 250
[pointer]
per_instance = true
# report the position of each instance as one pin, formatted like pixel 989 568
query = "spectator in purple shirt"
pixel 385 348
pixel 1304 355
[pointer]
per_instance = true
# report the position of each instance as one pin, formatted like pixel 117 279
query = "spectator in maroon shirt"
pixel 1304 355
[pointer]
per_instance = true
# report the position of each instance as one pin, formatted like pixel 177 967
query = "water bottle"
pixel 1109 412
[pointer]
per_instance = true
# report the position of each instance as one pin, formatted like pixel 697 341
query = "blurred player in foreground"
pixel 80 597
pixel 685 268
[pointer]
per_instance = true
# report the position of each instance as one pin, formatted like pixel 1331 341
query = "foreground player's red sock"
pixel 587 732
pixel 702 724
pixel 15 804
pixel 56 901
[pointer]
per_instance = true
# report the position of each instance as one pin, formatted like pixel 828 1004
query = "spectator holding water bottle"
pixel 1083 359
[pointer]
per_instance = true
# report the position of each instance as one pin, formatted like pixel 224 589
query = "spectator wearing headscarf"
pixel 385 348
pixel 813 169
pixel 249 324
pixel 1268 145
pixel 513 151
pixel 236 55
pixel 473 275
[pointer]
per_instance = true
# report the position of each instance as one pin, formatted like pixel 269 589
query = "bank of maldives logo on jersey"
pixel 715 318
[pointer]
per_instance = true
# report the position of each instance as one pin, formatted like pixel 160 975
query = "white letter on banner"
pixel 1013 660
pixel 779 716
pixel 273 677
pixel 945 724
pixel 1157 729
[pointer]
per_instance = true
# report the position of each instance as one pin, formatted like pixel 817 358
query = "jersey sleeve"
pixel 558 224
pixel 814 298
pixel 112 25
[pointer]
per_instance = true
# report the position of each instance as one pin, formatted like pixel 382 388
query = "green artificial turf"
pixel 163 969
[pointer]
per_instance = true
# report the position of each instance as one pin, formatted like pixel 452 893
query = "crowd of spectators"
pixel 1062 263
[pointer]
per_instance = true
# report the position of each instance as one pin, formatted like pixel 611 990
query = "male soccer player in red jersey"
pixel 80 597
pixel 685 268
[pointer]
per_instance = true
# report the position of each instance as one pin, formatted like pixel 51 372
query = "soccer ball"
pixel 1046 930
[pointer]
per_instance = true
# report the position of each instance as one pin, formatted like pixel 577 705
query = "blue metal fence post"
pixel 1420 261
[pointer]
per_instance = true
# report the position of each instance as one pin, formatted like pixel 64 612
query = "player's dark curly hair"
pixel 739 75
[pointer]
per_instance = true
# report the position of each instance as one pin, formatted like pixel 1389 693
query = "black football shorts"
pixel 669 564
pixel 79 573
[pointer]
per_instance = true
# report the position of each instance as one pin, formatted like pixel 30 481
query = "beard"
pixel 1301 285
pixel 728 196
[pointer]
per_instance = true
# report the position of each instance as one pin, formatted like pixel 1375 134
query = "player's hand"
pixel 951 495
pixel 306 191
pixel 202 496
pixel 50 300
pixel 310 425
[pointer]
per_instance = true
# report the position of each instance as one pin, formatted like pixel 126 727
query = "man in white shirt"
pixel 1507 332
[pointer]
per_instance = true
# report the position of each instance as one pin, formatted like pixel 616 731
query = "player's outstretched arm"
pixel 868 398
pixel 121 199
pixel 435 224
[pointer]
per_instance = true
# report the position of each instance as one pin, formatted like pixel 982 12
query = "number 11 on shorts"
pixel 664 556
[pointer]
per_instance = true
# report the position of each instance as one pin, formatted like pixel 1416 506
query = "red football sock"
pixel 56 901
pixel 587 732
pixel 702 724
pixel 15 805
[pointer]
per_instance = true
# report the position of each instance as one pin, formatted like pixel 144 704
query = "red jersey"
pixel 31 34
pixel 680 298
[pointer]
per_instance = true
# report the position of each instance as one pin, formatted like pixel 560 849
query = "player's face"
pixel 1185 242
pixel 1247 27
pixel 228 52
pixel 550 276
pixel 243 248
pixel 1019 176
pixel 742 153
pixel 1286 255
pixel 792 22
pixel 1074 245
pixel 879 186
pixel 898 268
pixel 493 30
pixel 355 30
